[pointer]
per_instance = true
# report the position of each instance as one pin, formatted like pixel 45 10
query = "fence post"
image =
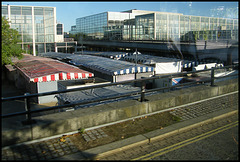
pixel 212 76
pixel 143 85
pixel 28 109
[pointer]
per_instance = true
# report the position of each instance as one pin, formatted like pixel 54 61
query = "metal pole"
pixel 28 109
pixel 27 106
pixel 135 83
pixel 212 76
pixel 143 85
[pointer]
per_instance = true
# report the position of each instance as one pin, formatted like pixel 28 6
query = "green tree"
pixel 10 48
pixel 205 35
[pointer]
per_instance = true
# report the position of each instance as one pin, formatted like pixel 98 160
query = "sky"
pixel 68 11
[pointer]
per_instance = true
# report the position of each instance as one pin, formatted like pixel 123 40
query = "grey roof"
pixel 109 66
pixel 101 64
pixel 56 55
pixel 96 93
pixel 149 59
pixel 113 55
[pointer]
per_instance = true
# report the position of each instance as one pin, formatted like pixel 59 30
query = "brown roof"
pixel 39 69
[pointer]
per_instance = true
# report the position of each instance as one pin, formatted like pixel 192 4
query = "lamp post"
pixel 81 41
pixel 136 53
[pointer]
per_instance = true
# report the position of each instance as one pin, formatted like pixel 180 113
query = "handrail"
pixel 100 86
pixel 97 100
pixel 141 92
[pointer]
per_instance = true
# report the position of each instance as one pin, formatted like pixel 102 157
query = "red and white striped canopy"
pixel 38 69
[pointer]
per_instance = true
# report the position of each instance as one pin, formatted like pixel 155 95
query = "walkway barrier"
pixel 142 92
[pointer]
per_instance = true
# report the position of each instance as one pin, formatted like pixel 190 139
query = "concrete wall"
pixel 64 122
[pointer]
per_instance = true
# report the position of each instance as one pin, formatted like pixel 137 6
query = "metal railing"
pixel 142 92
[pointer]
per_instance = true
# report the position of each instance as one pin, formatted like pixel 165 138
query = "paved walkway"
pixel 65 149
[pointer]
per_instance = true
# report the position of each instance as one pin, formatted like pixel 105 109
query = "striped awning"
pixel 61 76
pixel 137 69
pixel 37 69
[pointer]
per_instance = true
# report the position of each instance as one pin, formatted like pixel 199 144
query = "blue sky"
pixel 69 11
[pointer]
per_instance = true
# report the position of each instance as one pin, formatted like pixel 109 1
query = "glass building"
pixel 151 25
pixel 37 26
pixel 171 26
pixel 107 25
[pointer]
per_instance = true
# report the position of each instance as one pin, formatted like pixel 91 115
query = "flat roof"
pixel 29 6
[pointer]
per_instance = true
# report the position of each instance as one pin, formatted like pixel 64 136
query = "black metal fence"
pixel 142 92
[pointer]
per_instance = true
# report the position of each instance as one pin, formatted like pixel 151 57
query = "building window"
pixel 59 29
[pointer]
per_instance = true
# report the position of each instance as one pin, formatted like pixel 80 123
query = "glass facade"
pixel 36 25
pixel 93 26
pixel 107 25
pixel 145 27
pixel 162 26
pixel 207 28
pixel 150 25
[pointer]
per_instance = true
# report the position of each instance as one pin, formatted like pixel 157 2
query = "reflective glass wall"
pixel 207 28
pixel 21 19
pixel 44 24
pixel 107 25
pixel 145 27
pixel 5 11
pixel 93 26
pixel 161 26
pixel 32 22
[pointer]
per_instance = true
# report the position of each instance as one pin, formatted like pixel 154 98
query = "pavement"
pixel 65 149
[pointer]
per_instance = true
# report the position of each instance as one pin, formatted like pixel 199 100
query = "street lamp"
pixel 81 41
pixel 136 53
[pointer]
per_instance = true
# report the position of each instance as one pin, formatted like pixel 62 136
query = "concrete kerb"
pixel 152 136
pixel 114 147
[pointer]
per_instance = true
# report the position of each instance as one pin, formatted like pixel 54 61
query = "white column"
pixel 44 24
pixel 55 26
pixel 155 33
pixel 179 35
pixel 33 32
pixel 167 26
pixel 9 15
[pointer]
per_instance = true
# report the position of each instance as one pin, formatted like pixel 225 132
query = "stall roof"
pixel 109 66
pixel 39 69
pixel 113 55
pixel 101 64
pixel 96 93
pixel 56 55
pixel 149 59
